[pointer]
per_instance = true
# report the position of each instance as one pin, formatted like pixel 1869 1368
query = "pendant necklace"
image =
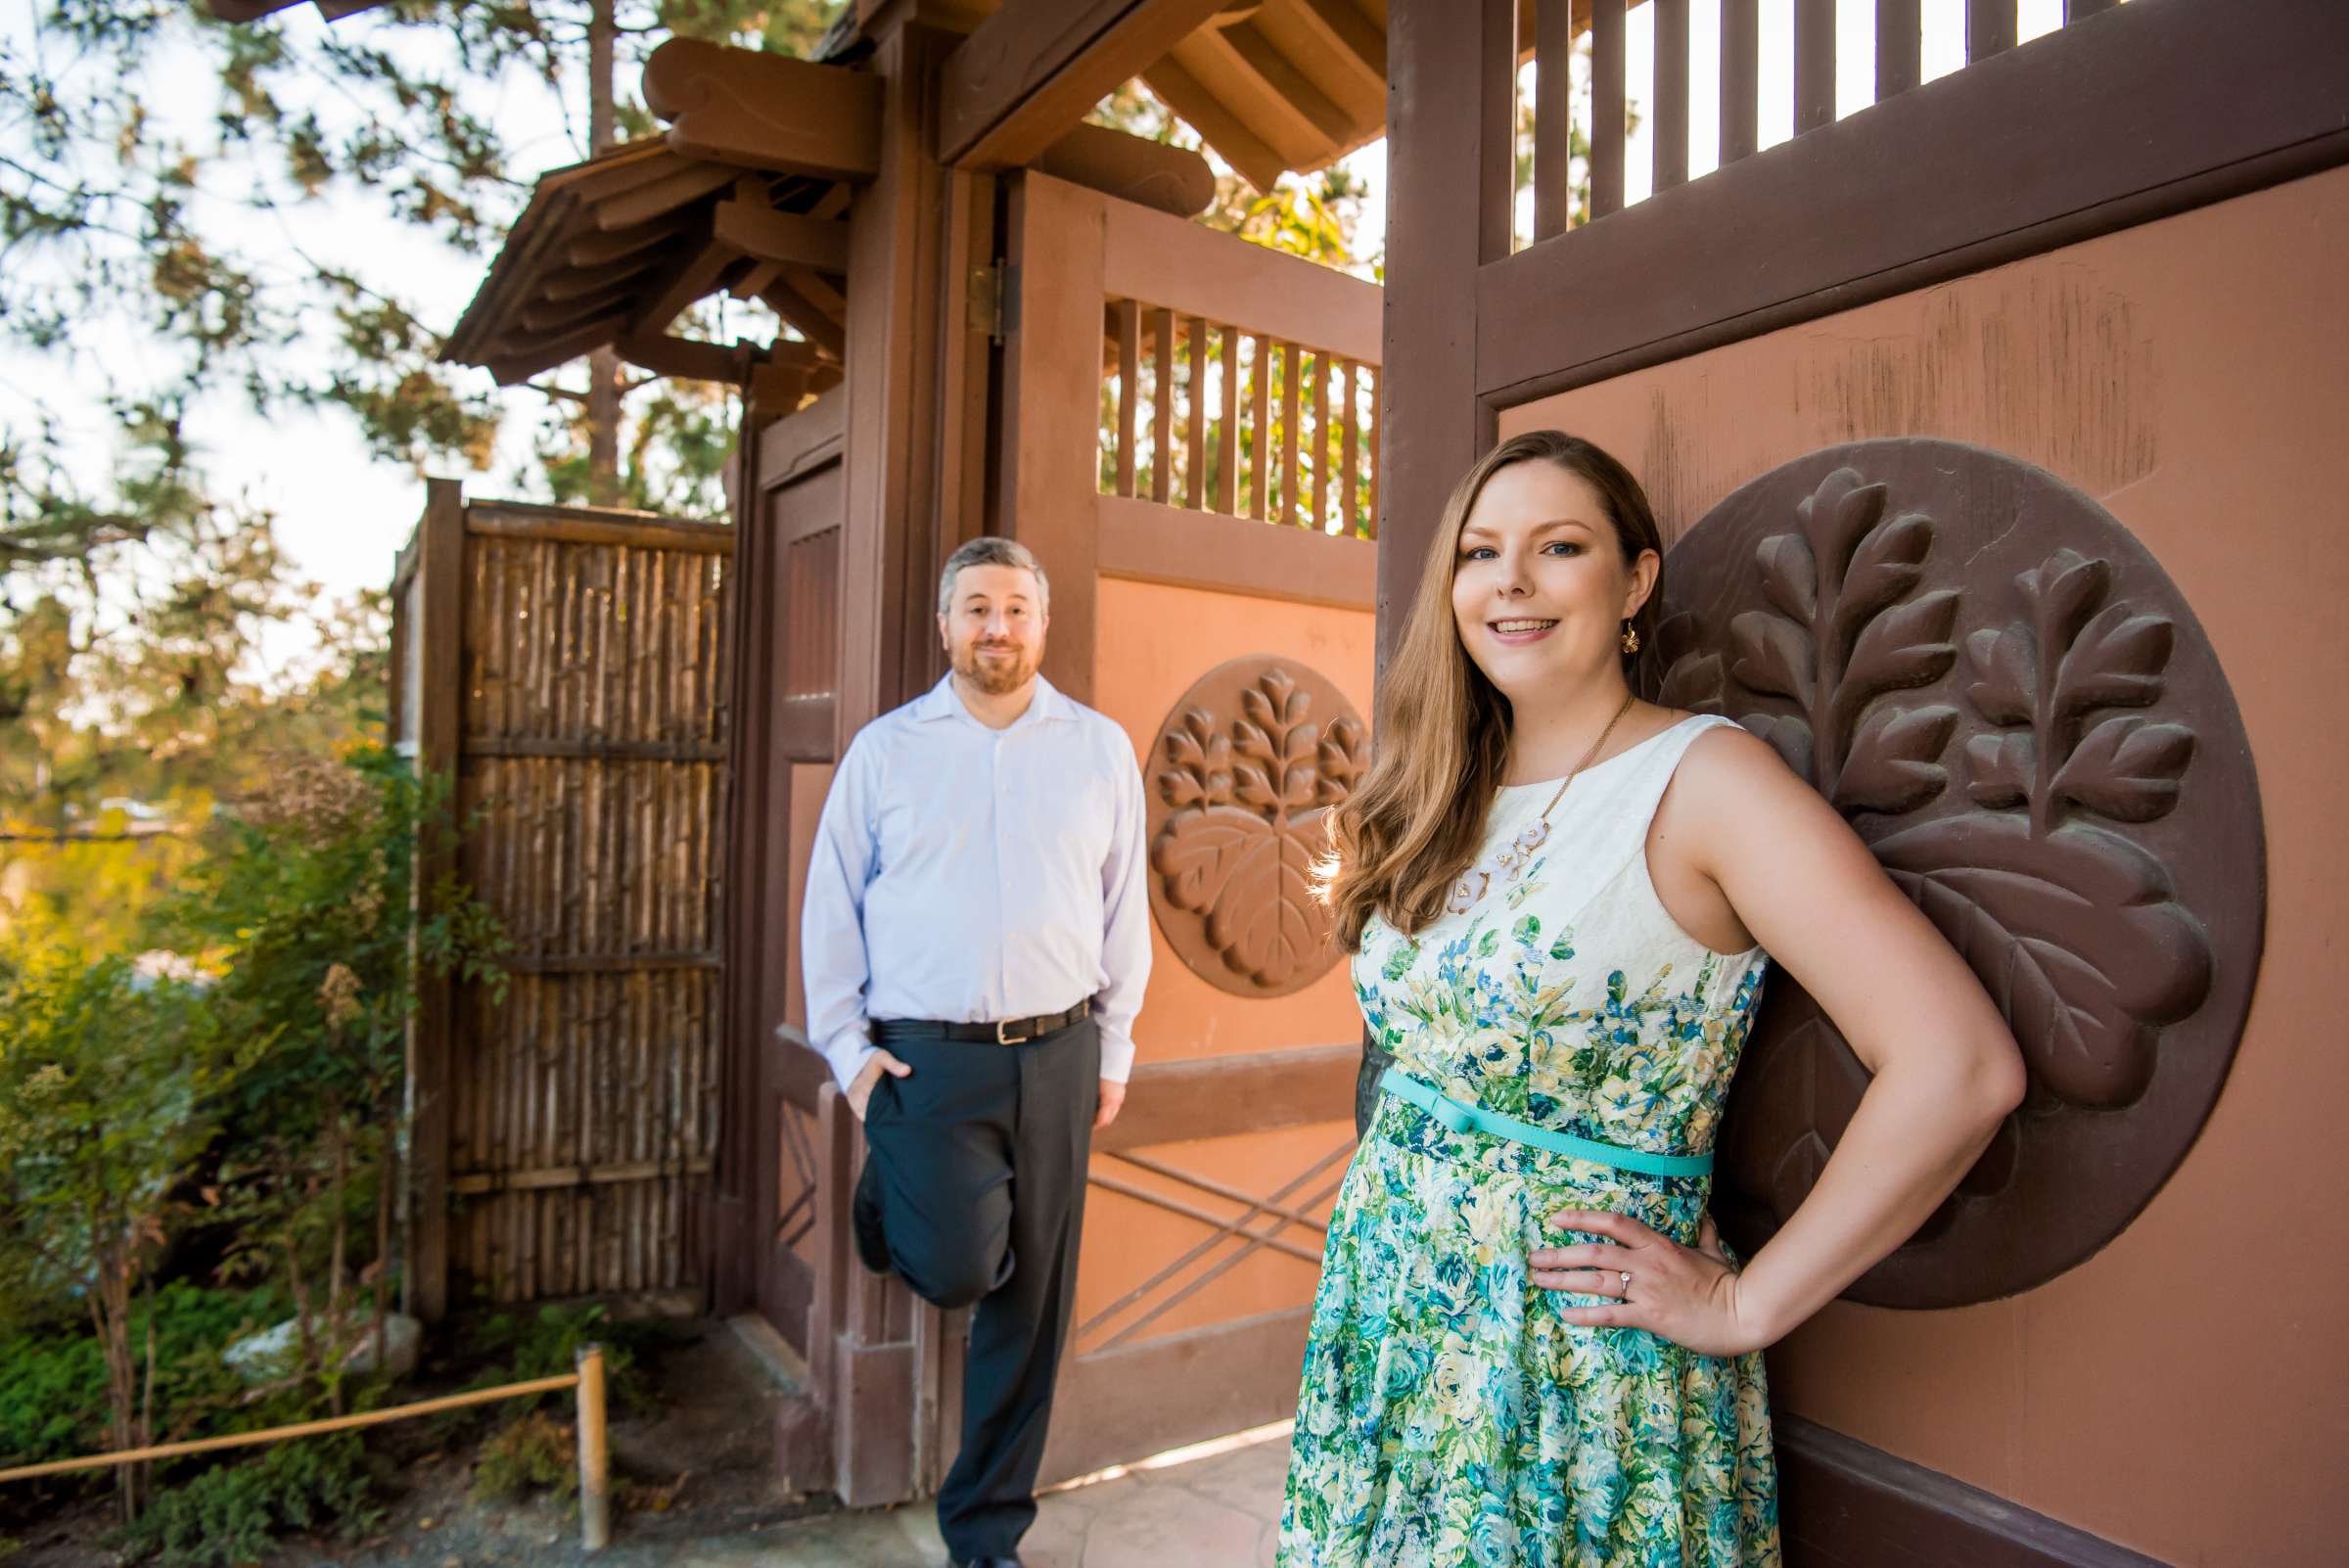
pixel 1478 879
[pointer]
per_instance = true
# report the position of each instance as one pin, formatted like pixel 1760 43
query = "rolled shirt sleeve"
pixel 1126 923
pixel 834 965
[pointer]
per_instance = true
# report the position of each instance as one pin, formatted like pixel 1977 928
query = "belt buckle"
pixel 1003 1038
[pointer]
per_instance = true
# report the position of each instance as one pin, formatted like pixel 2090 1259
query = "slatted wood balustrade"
pixel 1207 416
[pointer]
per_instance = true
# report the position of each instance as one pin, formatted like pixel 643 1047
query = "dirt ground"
pixel 699 1466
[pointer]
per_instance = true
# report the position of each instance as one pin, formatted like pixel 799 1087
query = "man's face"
pixel 994 629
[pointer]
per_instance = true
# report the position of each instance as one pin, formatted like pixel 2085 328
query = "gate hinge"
pixel 993 300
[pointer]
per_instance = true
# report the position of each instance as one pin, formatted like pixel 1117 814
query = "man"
pixel 976 940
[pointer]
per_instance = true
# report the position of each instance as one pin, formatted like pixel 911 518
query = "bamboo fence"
pixel 578 1110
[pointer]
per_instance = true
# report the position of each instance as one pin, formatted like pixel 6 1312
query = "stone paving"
pixel 1215 1506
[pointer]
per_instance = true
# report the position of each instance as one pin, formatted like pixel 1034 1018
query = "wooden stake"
pixel 595 1499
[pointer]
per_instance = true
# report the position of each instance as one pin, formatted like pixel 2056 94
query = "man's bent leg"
pixel 988 1498
pixel 940 1146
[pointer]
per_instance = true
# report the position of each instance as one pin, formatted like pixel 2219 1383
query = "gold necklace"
pixel 1478 879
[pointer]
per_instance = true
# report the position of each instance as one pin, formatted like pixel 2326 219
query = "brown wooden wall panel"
pixel 1843 1504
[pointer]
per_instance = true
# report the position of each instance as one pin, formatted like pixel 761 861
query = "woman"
pixel 1529 1346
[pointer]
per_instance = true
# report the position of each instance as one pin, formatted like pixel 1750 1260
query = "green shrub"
pixel 232 1513
pixel 53 1381
pixel 531 1453
pixel 524 1345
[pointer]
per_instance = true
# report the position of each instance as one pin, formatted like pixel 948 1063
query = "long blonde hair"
pixel 1399 843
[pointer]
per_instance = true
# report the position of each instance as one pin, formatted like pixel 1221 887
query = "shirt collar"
pixel 1046 706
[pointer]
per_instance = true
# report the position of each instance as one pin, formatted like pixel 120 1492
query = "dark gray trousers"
pixel 981 1156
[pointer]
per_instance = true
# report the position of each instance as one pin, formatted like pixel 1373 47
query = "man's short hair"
pixel 989 550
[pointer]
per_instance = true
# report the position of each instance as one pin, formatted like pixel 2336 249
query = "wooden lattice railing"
pixel 1595 100
pixel 1205 415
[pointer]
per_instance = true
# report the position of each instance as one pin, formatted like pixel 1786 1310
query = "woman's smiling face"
pixel 1541 589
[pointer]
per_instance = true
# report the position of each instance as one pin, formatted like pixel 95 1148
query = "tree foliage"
pixel 1317 217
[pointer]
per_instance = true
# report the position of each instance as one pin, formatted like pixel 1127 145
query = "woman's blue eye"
pixel 1481 552
pixel 1569 545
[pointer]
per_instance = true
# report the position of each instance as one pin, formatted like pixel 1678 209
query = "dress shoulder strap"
pixel 1630 801
pixel 1663 761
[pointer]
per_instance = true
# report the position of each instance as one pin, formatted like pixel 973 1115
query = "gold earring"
pixel 1631 638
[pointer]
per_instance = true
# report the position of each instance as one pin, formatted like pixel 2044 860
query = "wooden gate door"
pixel 1187 446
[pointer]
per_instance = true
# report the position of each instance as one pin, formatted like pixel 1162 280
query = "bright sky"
pixel 344 514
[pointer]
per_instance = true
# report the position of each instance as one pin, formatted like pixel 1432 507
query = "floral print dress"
pixel 1447 1415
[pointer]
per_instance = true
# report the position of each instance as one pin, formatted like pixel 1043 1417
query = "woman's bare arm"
pixel 1946 1068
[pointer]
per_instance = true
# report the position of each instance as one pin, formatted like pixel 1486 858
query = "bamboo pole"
pixel 274 1433
pixel 595 1496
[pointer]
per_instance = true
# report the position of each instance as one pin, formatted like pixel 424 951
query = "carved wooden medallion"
pixel 2010 701
pixel 1240 778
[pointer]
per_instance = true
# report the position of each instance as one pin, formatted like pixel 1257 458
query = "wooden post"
pixel 1607 89
pixel 1450 161
pixel 896 425
pixel 1553 117
pixel 1741 64
pixel 1671 143
pixel 1450 98
pixel 595 1460
pixel 441 727
pixel 1052 406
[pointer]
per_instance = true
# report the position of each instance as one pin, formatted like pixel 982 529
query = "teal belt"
pixel 1461 1117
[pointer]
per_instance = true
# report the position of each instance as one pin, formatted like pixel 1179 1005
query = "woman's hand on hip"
pixel 1687 1294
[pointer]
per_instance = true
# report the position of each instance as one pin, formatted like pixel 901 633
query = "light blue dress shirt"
pixel 972 875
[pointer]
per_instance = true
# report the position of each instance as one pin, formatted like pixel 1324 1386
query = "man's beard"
pixel 996 678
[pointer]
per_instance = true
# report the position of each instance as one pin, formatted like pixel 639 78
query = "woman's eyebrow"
pixel 1478 530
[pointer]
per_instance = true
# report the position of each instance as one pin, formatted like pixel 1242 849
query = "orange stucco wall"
pixel 2183 1392
pixel 1152 642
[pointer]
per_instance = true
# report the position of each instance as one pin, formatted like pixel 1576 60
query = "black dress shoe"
pixel 872 1250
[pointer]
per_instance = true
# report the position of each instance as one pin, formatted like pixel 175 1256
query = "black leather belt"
pixel 1008 1031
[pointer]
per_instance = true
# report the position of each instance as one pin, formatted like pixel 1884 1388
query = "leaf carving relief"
pixel 2013 705
pixel 1242 777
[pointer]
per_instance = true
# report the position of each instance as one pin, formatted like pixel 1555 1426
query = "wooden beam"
pixel 762 232
pixel 1173 179
pixel 812 324
pixel 513 361
pixel 686 183
pixel 757 110
pixel 697 270
pixel 1245 151
pixel 546 315
pixel 595 250
pixel 687 360
pixel 1353 41
pixel 1255 1092
pixel 440 721
pixel 1252 57
pixel 1035 67
pixel 581 283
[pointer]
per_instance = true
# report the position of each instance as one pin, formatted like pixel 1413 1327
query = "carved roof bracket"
pixel 763 110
